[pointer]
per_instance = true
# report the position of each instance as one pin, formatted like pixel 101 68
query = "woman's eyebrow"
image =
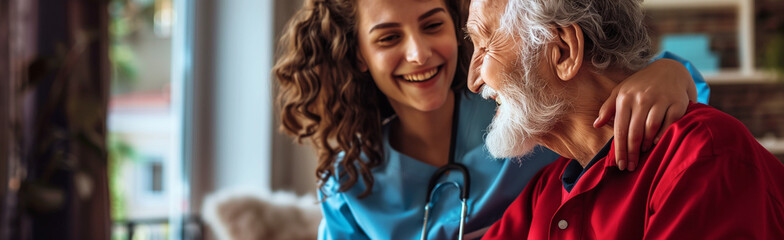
pixel 384 25
pixel 420 18
pixel 430 13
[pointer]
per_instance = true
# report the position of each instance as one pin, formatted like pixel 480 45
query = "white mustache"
pixel 488 92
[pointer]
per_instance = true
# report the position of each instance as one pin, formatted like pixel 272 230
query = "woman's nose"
pixel 418 51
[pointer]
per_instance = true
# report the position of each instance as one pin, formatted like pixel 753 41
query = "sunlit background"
pixel 191 101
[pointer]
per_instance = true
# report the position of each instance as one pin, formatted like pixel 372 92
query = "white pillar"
pixel 242 97
pixel 746 36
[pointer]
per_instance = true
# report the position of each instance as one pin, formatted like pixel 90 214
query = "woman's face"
pixel 410 49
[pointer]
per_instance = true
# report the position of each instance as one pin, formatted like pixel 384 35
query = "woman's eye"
pixel 388 39
pixel 433 26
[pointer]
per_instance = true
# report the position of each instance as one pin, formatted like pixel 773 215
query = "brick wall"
pixel 760 106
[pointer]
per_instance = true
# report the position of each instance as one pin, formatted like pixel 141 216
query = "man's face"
pixel 527 109
pixel 493 52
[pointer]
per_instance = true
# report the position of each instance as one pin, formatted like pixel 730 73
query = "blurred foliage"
pixel 63 115
pixel 770 22
pixel 774 55
pixel 124 68
pixel 120 152
pixel 63 109
pixel 126 18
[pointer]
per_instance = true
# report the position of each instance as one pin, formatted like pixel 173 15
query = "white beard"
pixel 527 111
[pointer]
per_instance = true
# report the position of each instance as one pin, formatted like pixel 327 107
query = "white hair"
pixel 613 30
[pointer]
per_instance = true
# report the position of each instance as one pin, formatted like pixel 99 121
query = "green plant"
pixel 120 152
pixel 123 59
pixel 63 124
pixel 774 55
pixel 123 25
pixel 770 27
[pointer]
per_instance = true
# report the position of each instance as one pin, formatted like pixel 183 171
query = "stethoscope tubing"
pixel 433 185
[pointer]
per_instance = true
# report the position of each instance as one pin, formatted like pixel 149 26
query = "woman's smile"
pixel 422 76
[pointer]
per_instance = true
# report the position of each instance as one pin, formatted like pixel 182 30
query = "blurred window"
pixel 156 178
pixel 140 120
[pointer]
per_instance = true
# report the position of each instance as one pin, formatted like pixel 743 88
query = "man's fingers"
pixel 621 130
pixel 607 111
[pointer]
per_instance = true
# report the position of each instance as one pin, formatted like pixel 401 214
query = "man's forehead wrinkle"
pixel 489 17
pixel 499 4
pixel 497 7
pixel 481 19
pixel 476 28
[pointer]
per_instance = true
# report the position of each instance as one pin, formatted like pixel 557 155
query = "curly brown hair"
pixel 325 96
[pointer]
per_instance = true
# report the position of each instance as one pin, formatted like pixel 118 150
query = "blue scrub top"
pixel 395 207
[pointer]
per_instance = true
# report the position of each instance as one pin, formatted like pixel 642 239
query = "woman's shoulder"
pixel 332 185
pixel 339 177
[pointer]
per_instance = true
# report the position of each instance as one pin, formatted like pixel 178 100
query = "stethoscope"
pixel 433 185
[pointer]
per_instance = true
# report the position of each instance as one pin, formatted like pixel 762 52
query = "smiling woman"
pixel 337 90
pixel 406 58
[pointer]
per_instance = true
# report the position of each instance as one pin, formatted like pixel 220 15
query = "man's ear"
pixel 566 52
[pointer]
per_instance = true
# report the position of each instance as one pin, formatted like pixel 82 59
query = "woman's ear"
pixel 361 62
pixel 566 51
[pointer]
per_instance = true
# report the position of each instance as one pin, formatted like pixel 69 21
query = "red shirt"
pixel 707 178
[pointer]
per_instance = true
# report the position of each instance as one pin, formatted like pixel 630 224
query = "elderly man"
pixel 549 64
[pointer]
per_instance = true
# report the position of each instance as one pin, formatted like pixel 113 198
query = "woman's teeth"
pixel 419 77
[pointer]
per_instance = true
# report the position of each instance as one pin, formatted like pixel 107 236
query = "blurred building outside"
pixel 140 122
